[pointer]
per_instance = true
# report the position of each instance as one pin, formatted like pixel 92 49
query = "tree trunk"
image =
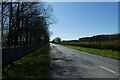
pixel 17 25
pixel 9 33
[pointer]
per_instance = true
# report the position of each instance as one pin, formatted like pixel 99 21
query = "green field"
pixel 105 53
pixel 35 65
pixel 110 45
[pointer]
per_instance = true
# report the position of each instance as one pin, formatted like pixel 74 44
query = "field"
pixel 35 65
pixel 109 48
pixel 108 45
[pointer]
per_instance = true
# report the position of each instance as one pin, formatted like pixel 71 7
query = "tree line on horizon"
pixel 98 42
pixel 26 23
pixel 97 38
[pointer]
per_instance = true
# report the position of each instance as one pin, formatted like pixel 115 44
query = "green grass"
pixel 111 44
pixel 35 65
pixel 105 53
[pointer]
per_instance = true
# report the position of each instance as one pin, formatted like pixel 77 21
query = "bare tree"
pixel 26 23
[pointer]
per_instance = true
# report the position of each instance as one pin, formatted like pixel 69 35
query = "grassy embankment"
pixel 103 48
pixel 105 53
pixel 35 65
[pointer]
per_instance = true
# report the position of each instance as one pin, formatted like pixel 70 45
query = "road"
pixel 70 63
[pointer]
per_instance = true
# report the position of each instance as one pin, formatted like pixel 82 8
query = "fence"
pixel 9 55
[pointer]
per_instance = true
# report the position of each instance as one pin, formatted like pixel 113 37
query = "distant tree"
pixel 57 40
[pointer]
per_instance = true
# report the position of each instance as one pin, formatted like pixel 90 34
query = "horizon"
pixel 88 36
pixel 84 19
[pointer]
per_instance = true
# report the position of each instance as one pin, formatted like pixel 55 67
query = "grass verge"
pixel 105 53
pixel 35 65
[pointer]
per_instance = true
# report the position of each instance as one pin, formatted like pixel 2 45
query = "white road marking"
pixel 109 70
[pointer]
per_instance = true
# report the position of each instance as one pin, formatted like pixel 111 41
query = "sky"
pixel 84 19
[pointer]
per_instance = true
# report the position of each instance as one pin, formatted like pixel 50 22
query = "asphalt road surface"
pixel 70 63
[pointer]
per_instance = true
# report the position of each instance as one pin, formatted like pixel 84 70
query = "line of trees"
pixel 25 23
pixel 98 42
pixel 109 37
pixel 101 38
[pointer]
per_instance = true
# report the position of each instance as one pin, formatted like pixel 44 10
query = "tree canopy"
pixel 26 23
pixel 56 40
